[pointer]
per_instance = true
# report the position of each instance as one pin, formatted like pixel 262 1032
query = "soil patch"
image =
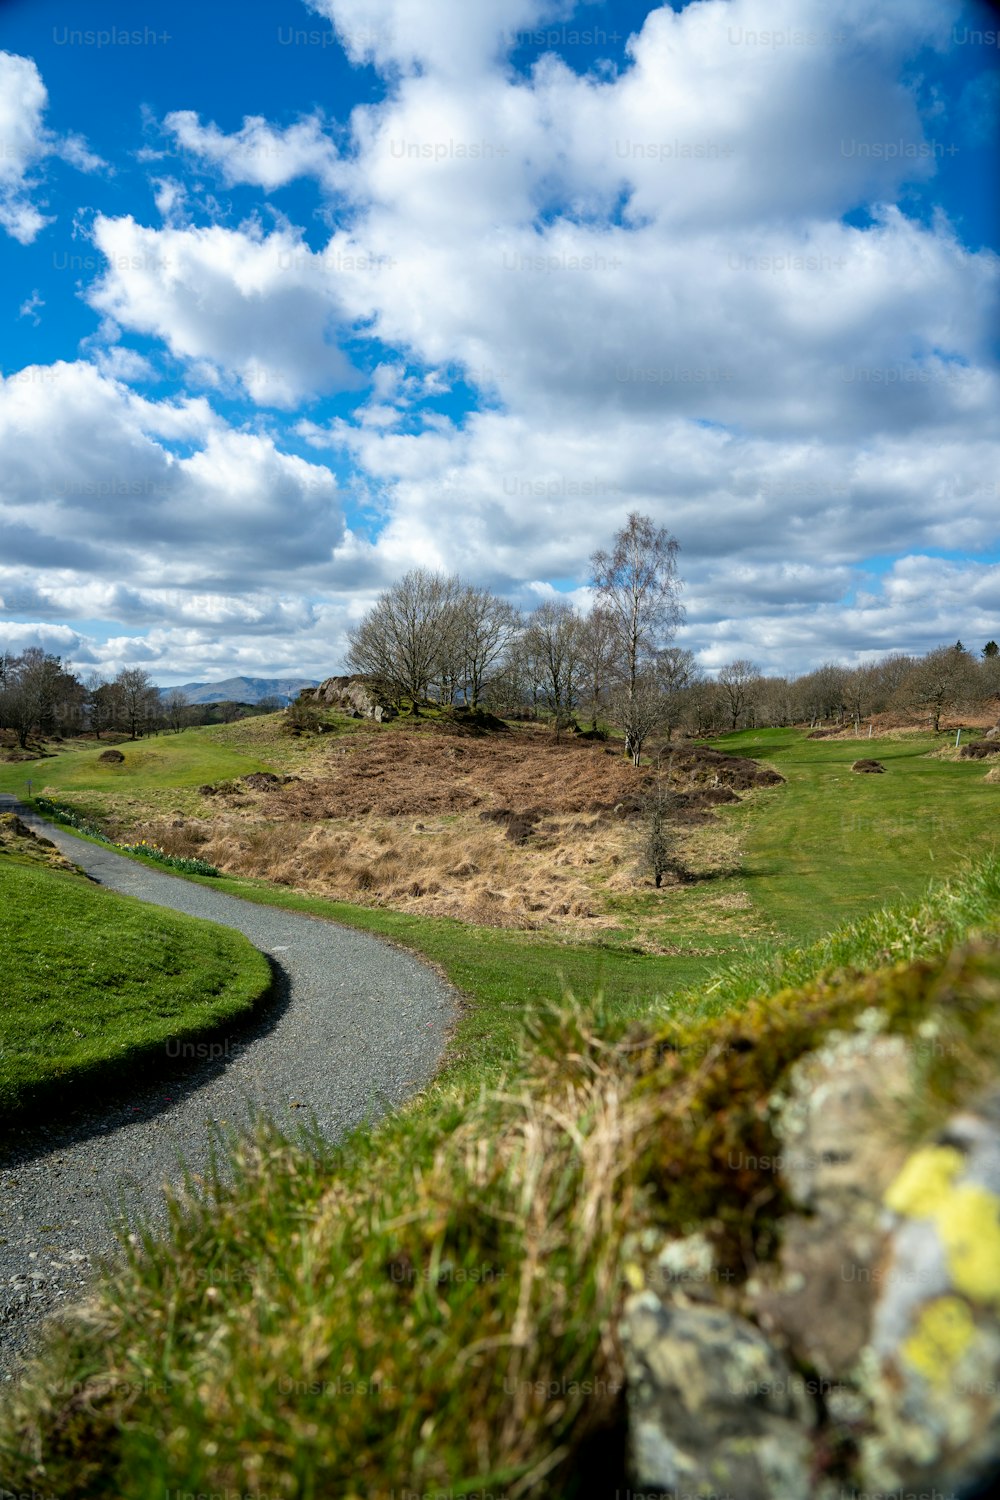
pixel 868 767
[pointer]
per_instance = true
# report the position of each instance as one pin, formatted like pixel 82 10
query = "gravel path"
pixel 356 1026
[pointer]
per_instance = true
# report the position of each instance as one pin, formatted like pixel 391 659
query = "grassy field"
pixel 95 984
pixel 505 975
pixel 423 1309
pixel 163 763
pixel 832 844
pixel 388 1293
pixel 826 847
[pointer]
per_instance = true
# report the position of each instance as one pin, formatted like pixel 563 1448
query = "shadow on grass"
pixel 62 1112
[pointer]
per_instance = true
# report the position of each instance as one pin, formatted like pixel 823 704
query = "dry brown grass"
pixel 993 776
pixel 516 830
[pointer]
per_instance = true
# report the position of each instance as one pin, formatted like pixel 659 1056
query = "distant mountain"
pixel 243 689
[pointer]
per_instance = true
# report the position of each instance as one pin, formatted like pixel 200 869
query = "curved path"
pixel 356 1026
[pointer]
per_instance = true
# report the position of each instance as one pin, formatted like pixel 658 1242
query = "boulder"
pixel 355 695
pixel 866 1345
pixel 931 1368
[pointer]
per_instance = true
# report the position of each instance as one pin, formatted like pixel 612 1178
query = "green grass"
pixel 505 975
pixel 166 761
pixel 96 984
pixel 823 849
pixel 422 1307
pixel 831 844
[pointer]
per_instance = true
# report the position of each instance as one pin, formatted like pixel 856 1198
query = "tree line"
pixel 432 639
pixel 40 697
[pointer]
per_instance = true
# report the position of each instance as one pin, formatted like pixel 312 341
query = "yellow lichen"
pixel 965 1215
pixel 634 1276
pixel 970 1231
pixel 943 1333
pixel 925 1182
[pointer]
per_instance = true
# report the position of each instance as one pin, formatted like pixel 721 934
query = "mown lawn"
pixel 167 760
pixel 95 984
pixel 832 844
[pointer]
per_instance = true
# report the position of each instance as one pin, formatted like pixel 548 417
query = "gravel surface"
pixel 356 1025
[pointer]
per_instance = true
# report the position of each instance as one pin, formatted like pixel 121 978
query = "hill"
pixel 243 689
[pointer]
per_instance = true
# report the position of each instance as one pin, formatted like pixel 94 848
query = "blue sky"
pixel 297 297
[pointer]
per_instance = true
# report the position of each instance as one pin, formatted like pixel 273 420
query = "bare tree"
pixel 677 670
pixel 660 838
pixel 890 672
pixel 38 694
pixel 859 691
pixel 486 629
pixel 175 709
pixel 102 706
pixel 738 680
pixel 134 694
pixel 639 707
pixel 400 642
pixel 598 652
pixel 637 584
pixel 554 642
pixel 821 693
pixel 942 680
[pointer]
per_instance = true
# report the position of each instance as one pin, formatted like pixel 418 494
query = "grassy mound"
pixel 430 1305
pixel 96 984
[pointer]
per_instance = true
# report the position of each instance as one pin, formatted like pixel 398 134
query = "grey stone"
pixel 713 1407
pixel 833 1150
pixel 355 695
pixel 932 1367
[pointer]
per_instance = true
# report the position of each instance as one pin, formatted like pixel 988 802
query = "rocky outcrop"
pixel 354 695
pixel 862 1355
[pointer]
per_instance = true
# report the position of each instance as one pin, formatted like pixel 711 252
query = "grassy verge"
pixel 95 985
pixel 505 975
pixel 428 1306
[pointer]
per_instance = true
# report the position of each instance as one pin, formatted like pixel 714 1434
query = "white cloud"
pixel 452 37
pixel 232 515
pixel 258 153
pixel 25 142
pixel 260 307
pixel 29 307
pixel 647 275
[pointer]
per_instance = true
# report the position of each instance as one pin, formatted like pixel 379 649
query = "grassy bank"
pixel 428 1306
pixel 96 984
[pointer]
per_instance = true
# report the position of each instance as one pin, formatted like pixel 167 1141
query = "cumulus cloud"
pixel 261 307
pixel 450 38
pixel 25 142
pixel 652 280
pixel 258 153
pixel 227 526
